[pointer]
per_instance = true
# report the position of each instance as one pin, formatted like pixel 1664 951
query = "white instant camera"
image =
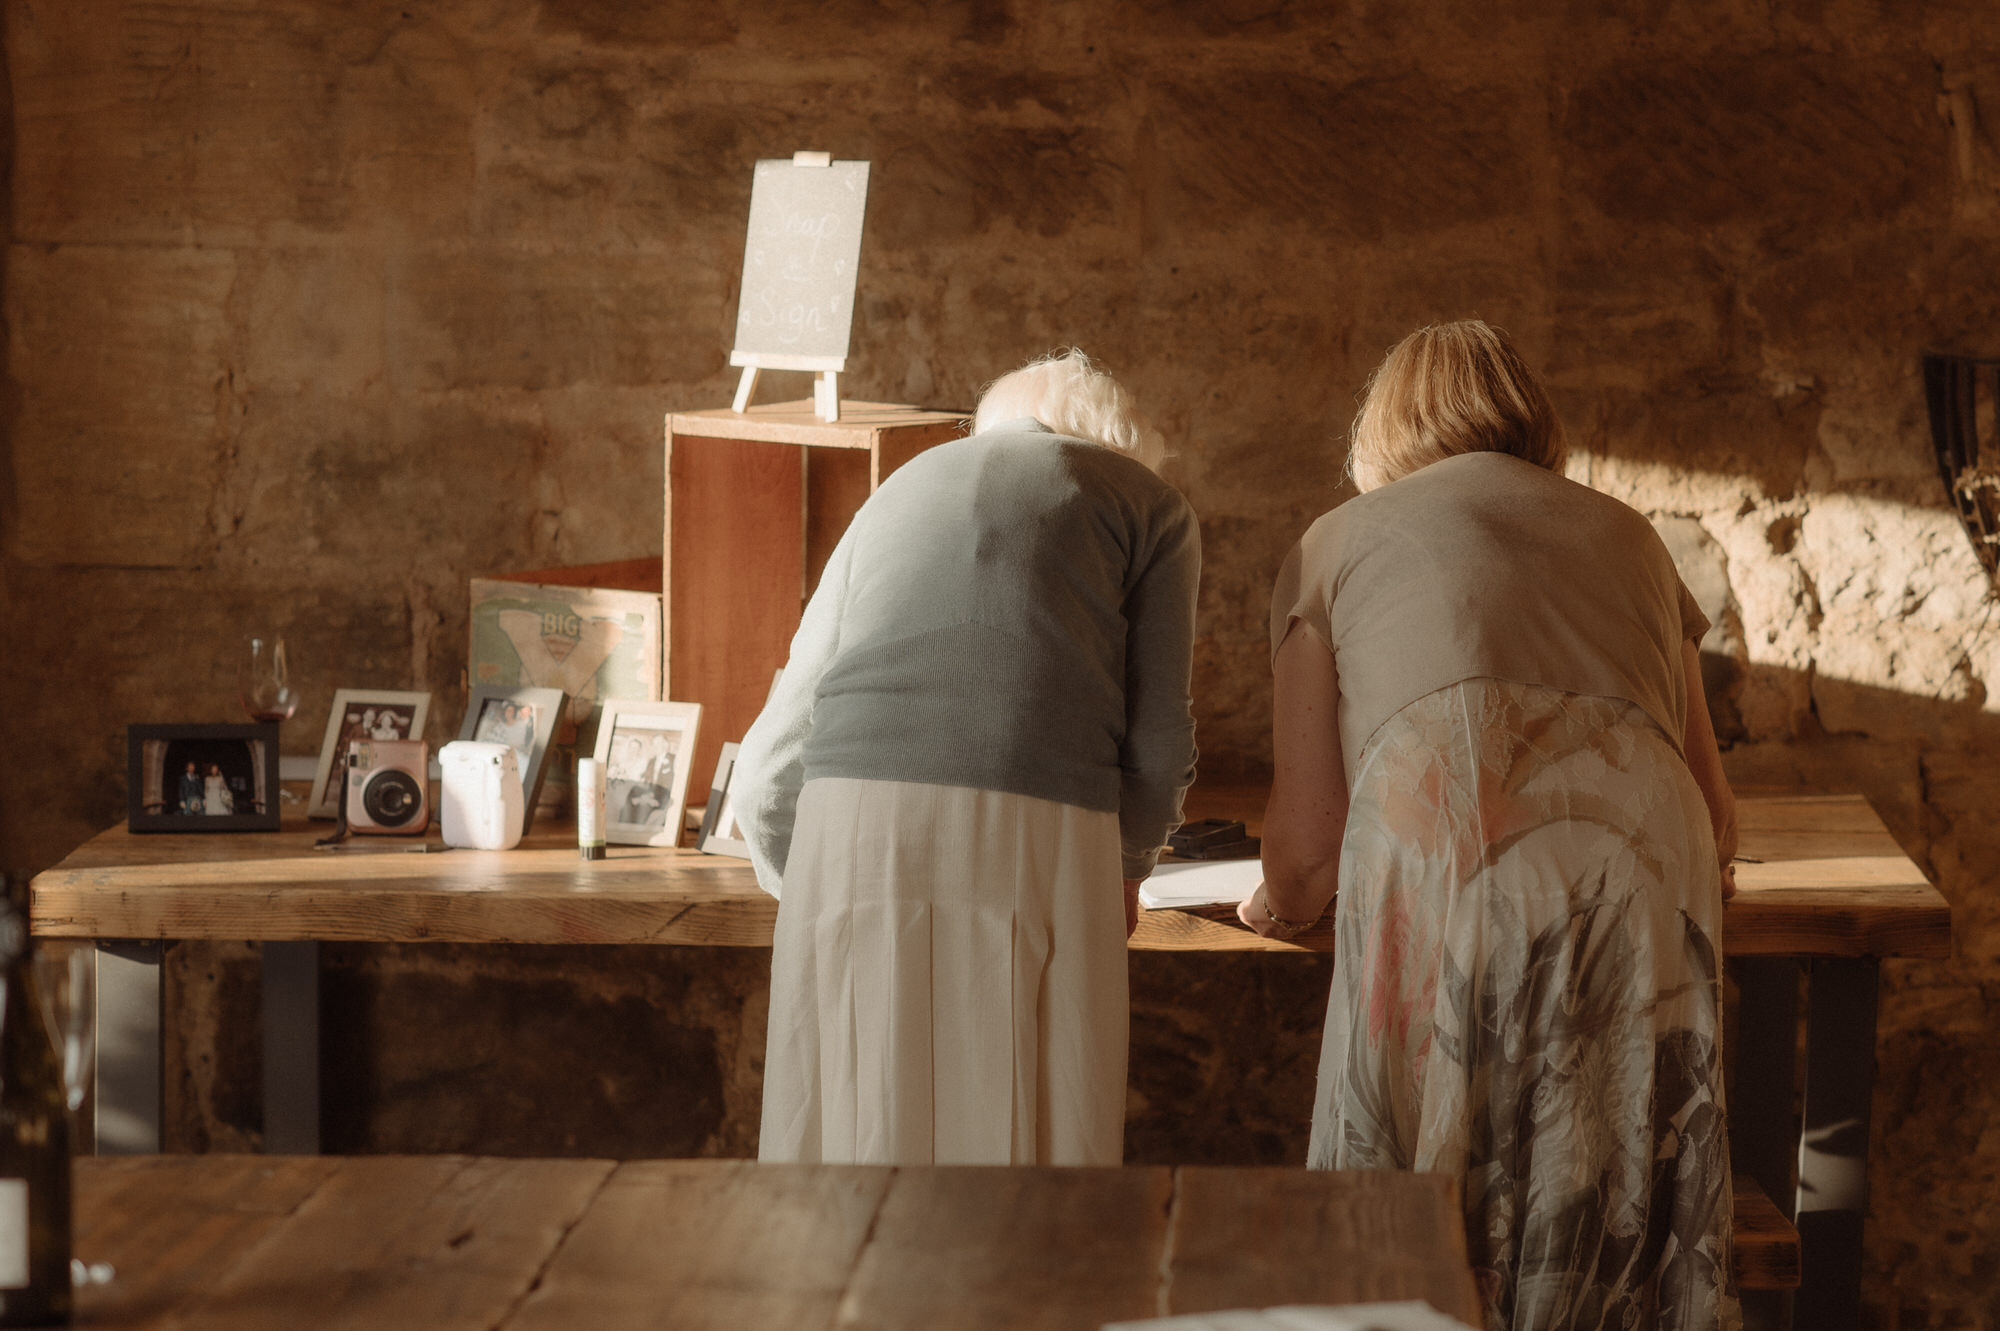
pixel 480 803
pixel 388 787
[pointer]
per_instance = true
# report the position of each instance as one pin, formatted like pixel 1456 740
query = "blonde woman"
pixel 983 727
pixel 1491 739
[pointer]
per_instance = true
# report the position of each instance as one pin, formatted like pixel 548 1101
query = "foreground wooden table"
pixel 1825 894
pixel 448 1242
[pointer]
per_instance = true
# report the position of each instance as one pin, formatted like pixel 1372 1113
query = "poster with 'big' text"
pixel 799 263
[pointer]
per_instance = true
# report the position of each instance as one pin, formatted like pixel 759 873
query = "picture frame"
pixel 202 778
pixel 362 714
pixel 524 719
pixel 647 751
pixel 720 833
pixel 593 640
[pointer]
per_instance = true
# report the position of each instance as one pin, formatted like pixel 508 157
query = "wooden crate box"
pixel 756 502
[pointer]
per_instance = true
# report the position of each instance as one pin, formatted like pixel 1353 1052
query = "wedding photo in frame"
pixel 646 749
pixel 525 720
pixel 720 833
pixel 202 778
pixel 361 714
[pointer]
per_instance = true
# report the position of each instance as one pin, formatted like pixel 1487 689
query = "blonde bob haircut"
pixel 1066 392
pixel 1449 389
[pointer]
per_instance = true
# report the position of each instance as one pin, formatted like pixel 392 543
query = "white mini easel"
pixel 826 387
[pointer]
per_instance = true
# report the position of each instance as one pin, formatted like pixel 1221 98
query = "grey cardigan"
pixel 1014 612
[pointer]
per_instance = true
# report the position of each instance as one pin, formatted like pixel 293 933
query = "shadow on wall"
pixel 1907 754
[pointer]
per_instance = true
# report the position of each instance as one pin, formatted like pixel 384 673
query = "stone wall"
pixel 315 311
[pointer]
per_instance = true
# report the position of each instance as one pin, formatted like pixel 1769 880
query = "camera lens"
pixel 391 797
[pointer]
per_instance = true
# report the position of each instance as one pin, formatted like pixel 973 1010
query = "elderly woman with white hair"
pixel 1490 738
pixel 983 728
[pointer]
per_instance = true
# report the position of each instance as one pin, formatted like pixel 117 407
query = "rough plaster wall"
pixel 315 311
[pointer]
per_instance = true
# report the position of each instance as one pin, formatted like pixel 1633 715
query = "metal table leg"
pixel 291 1048
pixel 127 1094
pixel 1833 1140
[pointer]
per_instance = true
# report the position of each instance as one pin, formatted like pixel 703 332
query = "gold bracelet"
pixel 1290 927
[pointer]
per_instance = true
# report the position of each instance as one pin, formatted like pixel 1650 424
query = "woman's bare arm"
pixel 1704 759
pixel 1307 814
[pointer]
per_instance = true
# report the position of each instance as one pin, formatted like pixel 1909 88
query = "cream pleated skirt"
pixel 948 981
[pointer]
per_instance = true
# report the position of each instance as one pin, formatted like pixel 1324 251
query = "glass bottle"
pixel 34 1146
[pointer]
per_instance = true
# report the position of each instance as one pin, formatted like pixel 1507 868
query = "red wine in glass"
pixel 264 681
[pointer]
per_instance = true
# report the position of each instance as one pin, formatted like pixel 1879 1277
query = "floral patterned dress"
pixel 1527 994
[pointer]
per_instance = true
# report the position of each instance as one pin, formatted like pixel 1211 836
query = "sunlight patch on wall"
pixel 1833 587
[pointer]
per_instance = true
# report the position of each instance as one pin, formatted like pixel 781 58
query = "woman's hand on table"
pixel 1725 848
pixel 1250 910
pixel 1255 911
pixel 1132 905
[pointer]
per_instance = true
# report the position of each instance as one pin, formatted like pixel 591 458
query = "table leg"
pixel 1763 1129
pixel 1833 1140
pixel 127 1093
pixel 291 1048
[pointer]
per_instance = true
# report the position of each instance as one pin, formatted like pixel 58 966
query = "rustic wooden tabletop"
pixel 1824 879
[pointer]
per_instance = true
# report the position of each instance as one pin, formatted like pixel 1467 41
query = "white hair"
pixel 1071 396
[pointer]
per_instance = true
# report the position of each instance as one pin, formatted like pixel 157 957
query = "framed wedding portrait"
pixel 522 718
pixel 361 714
pixel 646 749
pixel 202 778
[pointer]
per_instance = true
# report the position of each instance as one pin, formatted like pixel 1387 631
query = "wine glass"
pixel 66 982
pixel 264 681
pixel 65 979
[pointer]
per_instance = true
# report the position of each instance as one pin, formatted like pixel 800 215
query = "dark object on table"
pixel 202 778
pixel 1213 839
pixel 1204 832
pixel 1961 392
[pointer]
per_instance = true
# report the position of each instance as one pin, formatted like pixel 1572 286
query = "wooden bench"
pixel 1765 1251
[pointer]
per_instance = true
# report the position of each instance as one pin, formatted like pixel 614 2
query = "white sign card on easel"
pixel 799 264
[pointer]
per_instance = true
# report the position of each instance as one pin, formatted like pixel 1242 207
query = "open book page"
pixel 1412 1316
pixel 1183 883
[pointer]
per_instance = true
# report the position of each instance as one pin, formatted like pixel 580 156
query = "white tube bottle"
pixel 590 808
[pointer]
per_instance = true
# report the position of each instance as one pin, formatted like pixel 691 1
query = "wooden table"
pixel 1826 894
pixel 448 1242
pixel 1827 880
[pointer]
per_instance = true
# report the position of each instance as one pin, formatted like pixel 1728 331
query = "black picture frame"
pixel 240 760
